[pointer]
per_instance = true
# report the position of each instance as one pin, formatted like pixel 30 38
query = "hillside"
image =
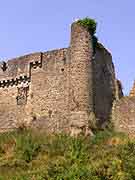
pixel 29 155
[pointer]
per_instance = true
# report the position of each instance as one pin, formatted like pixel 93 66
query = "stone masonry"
pixel 59 90
pixel 123 113
pixel 132 92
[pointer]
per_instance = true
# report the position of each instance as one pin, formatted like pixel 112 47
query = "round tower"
pixel 81 79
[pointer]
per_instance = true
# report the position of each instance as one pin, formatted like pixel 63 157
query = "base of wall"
pixel 79 123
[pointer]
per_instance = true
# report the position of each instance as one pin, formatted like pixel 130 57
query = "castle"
pixel 61 90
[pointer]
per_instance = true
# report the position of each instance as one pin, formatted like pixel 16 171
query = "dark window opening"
pixel 62 69
pixel 22 95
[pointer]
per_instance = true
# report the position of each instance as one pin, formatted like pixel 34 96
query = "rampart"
pixel 58 90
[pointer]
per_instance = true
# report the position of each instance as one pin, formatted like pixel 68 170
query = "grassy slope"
pixel 30 155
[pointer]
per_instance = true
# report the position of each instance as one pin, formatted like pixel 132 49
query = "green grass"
pixel 30 155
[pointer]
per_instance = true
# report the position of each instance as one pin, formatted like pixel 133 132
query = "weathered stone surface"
pixel 123 115
pixel 103 84
pixel 58 90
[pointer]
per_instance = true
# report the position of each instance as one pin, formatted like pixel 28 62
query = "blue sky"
pixel 39 25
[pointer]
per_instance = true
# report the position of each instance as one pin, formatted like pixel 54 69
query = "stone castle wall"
pixel 36 95
pixel 58 90
pixel 123 113
pixel 103 84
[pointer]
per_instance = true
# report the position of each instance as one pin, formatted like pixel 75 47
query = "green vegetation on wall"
pixel 91 25
pixel 88 23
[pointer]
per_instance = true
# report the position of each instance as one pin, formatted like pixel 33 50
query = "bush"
pixel 30 155
pixel 88 23
pixel 91 25
pixel 27 147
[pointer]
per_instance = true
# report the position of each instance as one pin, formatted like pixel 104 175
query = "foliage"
pixel 34 155
pixel 88 23
pixel 91 25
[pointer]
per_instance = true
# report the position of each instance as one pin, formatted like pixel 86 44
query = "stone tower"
pixel 81 80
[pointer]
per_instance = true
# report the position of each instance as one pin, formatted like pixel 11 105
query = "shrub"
pixel 60 157
pixel 26 146
pixel 88 23
pixel 91 25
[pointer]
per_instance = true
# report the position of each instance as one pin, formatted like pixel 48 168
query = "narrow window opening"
pixel 62 69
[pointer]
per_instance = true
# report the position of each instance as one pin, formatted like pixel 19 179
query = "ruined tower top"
pixel 132 92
